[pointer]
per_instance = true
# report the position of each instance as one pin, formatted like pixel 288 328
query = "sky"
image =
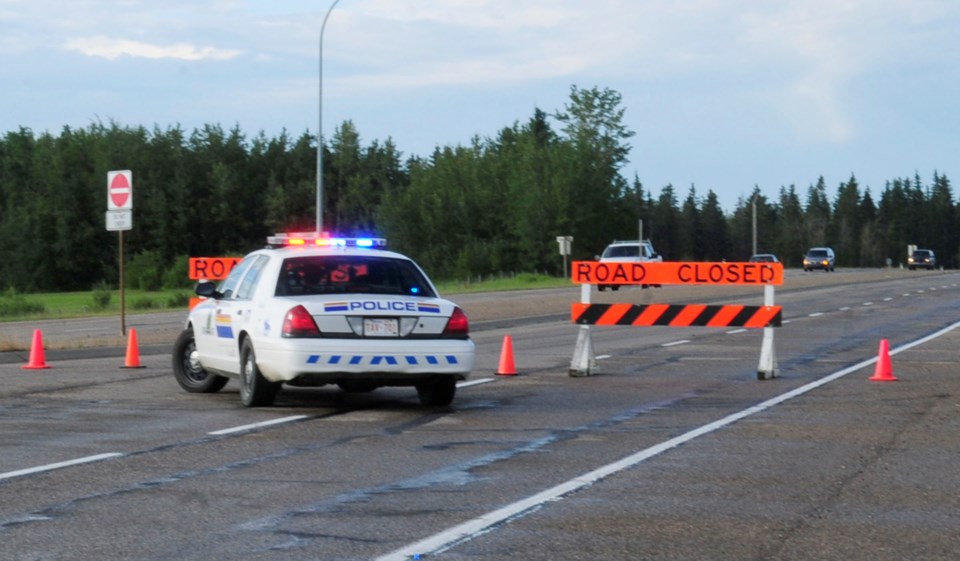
pixel 723 95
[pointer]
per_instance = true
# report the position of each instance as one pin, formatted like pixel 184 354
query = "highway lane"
pixel 853 468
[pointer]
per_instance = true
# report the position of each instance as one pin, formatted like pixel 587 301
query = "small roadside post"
pixel 565 242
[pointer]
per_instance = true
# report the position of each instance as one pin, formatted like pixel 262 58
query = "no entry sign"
pixel 120 190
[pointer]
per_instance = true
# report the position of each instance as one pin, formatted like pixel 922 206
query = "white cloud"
pixel 108 48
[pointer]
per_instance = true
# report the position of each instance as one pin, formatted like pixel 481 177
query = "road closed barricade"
pixel 585 314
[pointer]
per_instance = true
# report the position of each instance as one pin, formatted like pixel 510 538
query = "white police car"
pixel 312 310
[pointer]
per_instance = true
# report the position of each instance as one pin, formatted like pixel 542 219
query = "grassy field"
pixel 16 306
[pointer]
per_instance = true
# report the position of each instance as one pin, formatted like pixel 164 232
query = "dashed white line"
pixel 845 308
pixel 601 357
pixel 262 424
pixel 58 465
pixel 474 382
pixel 675 343
pixel 735 331
pixel 887 299
pixel 815 314
pixel 868 303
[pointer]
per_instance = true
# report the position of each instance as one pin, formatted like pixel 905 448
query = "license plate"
pixel 380 327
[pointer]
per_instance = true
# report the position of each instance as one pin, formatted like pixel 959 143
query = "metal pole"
pixel 123 289
pixel 754 225
pixel 320 127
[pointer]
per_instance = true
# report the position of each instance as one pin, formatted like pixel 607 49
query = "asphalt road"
pixel 673 450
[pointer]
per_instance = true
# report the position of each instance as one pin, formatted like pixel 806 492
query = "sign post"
pixel 120 218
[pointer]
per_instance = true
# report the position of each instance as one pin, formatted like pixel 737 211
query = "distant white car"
pixel 628 251
pixel 312 310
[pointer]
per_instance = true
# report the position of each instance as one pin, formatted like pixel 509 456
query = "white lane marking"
pixel 474 382
pixel 253 426
pixel 735 331
pixel 815 314
pixel 51 467
pixel 868 303
pixel 450 537
pixel 601 357
pixel 845 308
pixel 675 343
pixel 907 294
pixel 887 299
pixel 786 321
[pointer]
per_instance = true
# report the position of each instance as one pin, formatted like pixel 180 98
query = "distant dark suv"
pixel 922 259
pixel 819 258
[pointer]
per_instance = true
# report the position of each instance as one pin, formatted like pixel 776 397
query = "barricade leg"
pixel 584 363
pixel 768 367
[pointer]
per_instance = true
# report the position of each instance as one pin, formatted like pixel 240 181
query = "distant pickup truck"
pixel 628 251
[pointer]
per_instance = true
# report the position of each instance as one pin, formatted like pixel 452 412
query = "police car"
pixel 311 310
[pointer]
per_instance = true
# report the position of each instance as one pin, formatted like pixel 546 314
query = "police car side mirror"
pixel 208 289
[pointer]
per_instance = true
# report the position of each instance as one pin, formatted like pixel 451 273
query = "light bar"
pixel 323 239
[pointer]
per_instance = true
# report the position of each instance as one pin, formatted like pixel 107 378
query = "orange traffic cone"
pixel 507 367
pixel 133 354
pixel 37 360
pixel 884 371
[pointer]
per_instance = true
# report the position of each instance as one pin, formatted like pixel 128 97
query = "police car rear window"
pixel 340 274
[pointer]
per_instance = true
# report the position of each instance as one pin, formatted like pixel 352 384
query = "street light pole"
pixel 320 127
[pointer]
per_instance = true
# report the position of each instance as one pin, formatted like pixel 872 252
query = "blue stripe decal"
pixel 391 360
pixel 224 332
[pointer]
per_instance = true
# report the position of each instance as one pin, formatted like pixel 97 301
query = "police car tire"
pixel 189 374
pixel 437 393
pixel 255 390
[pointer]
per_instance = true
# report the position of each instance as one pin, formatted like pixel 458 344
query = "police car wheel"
pixel 255 390
pixel 187 369
pixel 438 392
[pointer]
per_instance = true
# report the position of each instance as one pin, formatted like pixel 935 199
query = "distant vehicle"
pixel 819 258
pixel 311 310
pixel 628 251
pixel 764 258
pixel 922 259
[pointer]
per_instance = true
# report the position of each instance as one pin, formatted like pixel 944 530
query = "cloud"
pixel 108 48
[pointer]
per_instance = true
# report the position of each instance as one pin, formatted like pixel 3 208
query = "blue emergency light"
pixel 323 239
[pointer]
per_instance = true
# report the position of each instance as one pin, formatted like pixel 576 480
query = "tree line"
pixel 494 205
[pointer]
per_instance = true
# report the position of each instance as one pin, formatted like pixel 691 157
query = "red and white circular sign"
pixel 119 190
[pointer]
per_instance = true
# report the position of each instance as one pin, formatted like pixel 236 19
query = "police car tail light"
pixel 299 323
pixel 457 325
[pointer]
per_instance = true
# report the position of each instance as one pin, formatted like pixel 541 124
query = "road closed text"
pixel 595 272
